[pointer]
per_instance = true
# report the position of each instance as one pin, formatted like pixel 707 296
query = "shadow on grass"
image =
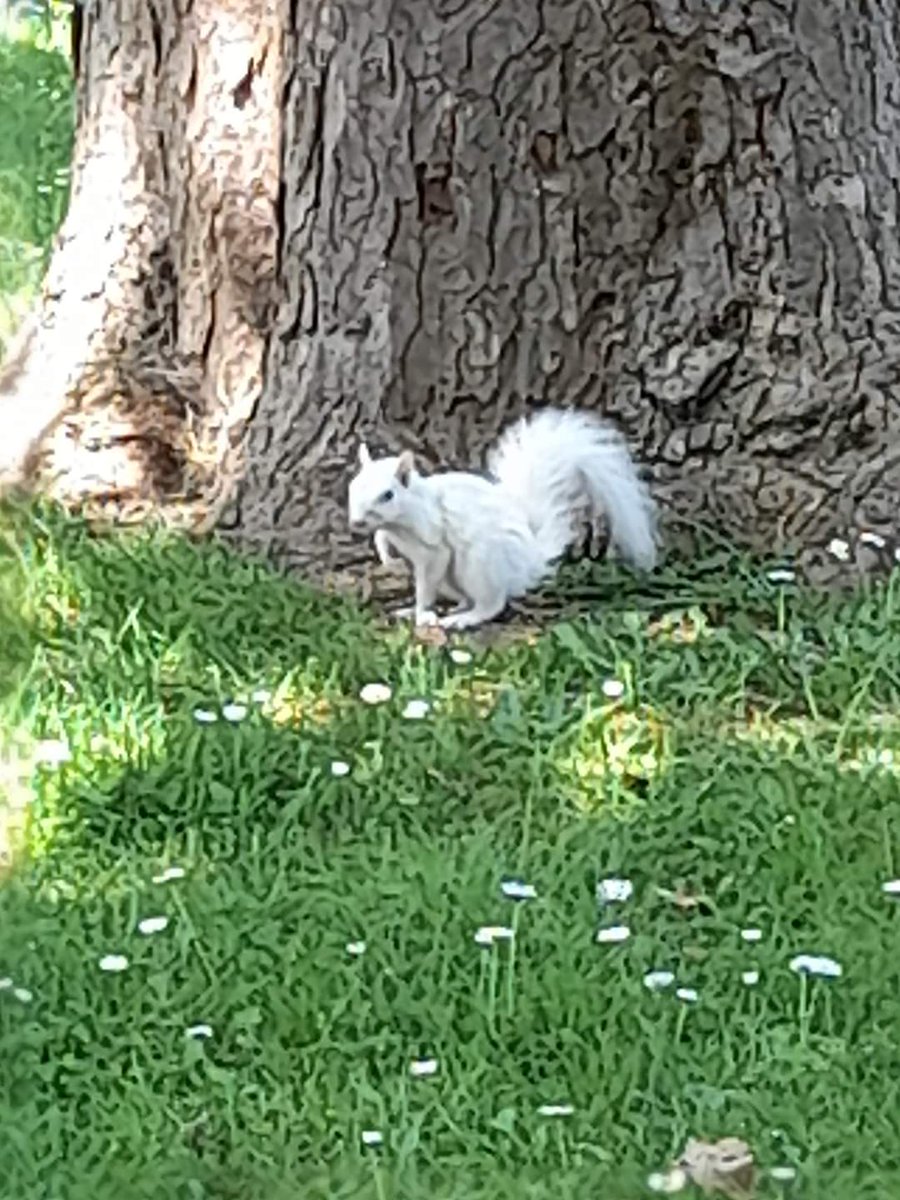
pixel 286 863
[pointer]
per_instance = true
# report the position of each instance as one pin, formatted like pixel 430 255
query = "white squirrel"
pixel 482 543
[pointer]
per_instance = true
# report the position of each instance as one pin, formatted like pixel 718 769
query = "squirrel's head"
pixel 378 491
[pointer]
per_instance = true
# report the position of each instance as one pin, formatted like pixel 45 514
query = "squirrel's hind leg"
pixel 488 602
pixel 449 591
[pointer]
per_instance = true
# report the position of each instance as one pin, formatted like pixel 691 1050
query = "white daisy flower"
pixel 169 874
pixel 516 889
pixel 751 935
pixel 556 1110
pixel 23 995
pixel 781 575
pixel 198 1031
pixel 750 978
pixel 461 657
pixel 339 768
pixel 416 710
pixel 204 716
pixel 668 1182
pixel 261 696
pixel 839 549
pixel 783 1174
pixel 613 688
pixel 891 888
pixel 234 712
pixel 375 693
pixel 688 995
pixel 5 983
pixel 113 962
pixel 488 934
pixel 657 981
pixel 355 949
pixel 868 538
pixel 52 752
pixel 150 925
pixel 816 964
pixel 614 933
pixel 372 1137
pixel 611 891
pixel 421 1068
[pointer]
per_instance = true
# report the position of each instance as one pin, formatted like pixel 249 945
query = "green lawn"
pixel 752 763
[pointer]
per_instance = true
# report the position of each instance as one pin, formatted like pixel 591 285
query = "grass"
pixel 36 131
pixel 748 763
pixel 750 769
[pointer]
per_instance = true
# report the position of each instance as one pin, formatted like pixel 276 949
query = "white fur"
pixel 558 462
pixel 481 543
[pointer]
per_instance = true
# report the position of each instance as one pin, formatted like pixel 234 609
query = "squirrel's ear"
pixel 406 464
pixel 364 456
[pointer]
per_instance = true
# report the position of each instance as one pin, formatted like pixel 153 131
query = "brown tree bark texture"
pixel 410 220
pixel 132 383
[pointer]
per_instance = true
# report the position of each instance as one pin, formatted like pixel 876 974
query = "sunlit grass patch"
pixel 611 756
pixel 684 627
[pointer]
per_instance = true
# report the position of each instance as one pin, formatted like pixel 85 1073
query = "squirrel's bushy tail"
pixel 556 462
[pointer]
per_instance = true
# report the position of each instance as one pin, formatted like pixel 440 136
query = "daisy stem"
pixel 378 1178
pixel 561 1142
pixel 482 971
pixel 754 1025
pixel 492 987
pixel 511 965
pixel 679 1024
pixel 803 1015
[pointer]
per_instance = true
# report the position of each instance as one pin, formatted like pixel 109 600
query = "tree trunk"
pixel 131 386
pixel 422 217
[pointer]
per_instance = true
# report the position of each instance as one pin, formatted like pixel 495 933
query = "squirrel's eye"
pixel 385 497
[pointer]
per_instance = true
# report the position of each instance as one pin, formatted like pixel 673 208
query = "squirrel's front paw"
pixel 461 619
pixel 382 547
pixel 427 617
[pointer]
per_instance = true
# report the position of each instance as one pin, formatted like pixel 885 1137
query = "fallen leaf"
pixel 684 900
pixel 725 1166
pixel 431 635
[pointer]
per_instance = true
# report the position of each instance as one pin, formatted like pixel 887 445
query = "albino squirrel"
pixel 479 542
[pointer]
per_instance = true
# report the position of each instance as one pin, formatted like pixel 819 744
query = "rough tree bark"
pixel 130 386
pixel 411 219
